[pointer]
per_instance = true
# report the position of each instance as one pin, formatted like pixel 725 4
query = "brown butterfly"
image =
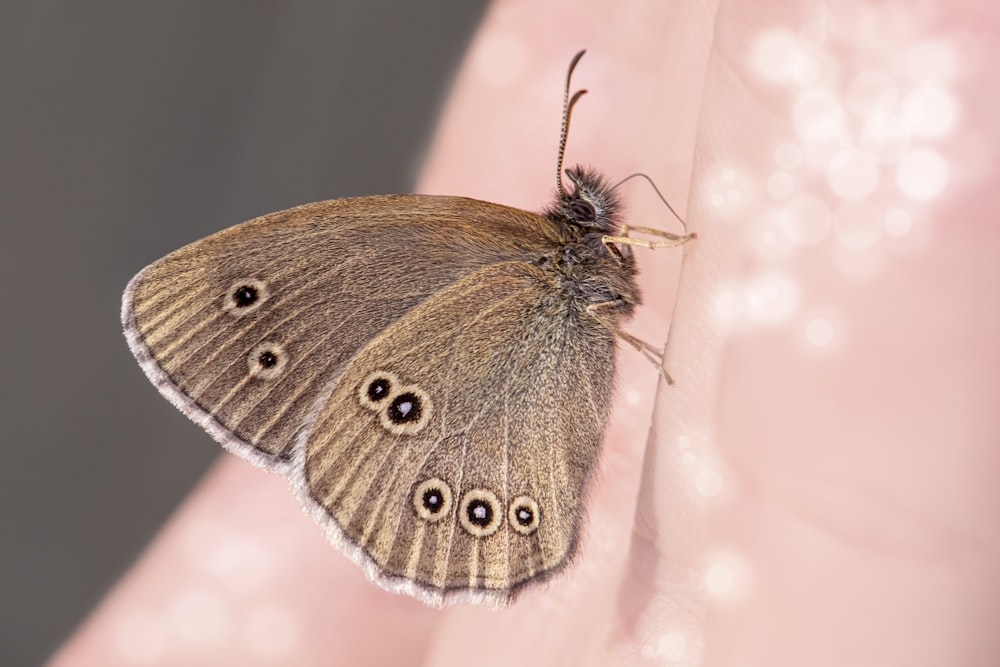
pixel 433 373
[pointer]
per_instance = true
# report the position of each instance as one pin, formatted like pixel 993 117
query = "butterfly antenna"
pixel 656 190
pixel 568 103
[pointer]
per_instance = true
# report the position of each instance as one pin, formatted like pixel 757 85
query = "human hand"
pixel 819 485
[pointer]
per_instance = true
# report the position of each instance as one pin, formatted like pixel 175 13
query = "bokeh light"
pixel 780 185
pixel 771 298
pixel 930 111
pixel 819 332
pixel 670 648
pixel 778 55
pixel 806 220
pixel 727 189
pixel 852 174
pixel 858 224
pixel 932 60
pixel 922 174
pixel 788 155
pixel 728 304
pixel 719 579
pixel 818 117
pixel 898 221
pixel 708 483
pixel 870 97
pixel 885 135
pixel 871 91
pixel 199 616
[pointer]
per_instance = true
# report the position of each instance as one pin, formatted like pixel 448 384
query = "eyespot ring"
pixel 524 515
pixel 408 411
pixel 480 513
pixel 432 499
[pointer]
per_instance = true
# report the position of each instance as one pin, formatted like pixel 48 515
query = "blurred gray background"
pixel 128 129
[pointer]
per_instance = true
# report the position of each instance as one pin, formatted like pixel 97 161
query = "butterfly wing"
pixel 451 459
pixel 244 331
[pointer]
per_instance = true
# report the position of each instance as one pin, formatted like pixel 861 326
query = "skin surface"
pixel 820 486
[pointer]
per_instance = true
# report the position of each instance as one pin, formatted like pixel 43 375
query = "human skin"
pixel 819 487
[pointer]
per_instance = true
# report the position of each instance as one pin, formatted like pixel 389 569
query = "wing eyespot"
pixel 267 361
pixel 406 408
pixel 479 513
pixel 245 297
pixel 524 515
pixel 432 499
pixel 407 411
pixel 376 389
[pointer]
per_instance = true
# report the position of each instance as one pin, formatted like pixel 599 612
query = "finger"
pixel 836 314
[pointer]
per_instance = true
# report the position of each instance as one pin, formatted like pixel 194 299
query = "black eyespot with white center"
pixel 245 297
pixel 524 515
pixel 267 361
pixel 405 408
pixel 432 499
pixel 378 389
pixel 479 513
pixel 374 392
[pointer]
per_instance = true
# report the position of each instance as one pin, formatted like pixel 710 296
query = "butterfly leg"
pixel 672 240
pixel 653 231
pixel 652 353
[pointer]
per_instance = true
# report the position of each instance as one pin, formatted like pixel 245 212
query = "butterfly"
pixel 432 373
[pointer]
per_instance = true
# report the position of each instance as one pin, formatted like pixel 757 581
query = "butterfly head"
pixel 592 205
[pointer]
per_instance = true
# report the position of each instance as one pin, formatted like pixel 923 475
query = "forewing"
pixel 318 282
